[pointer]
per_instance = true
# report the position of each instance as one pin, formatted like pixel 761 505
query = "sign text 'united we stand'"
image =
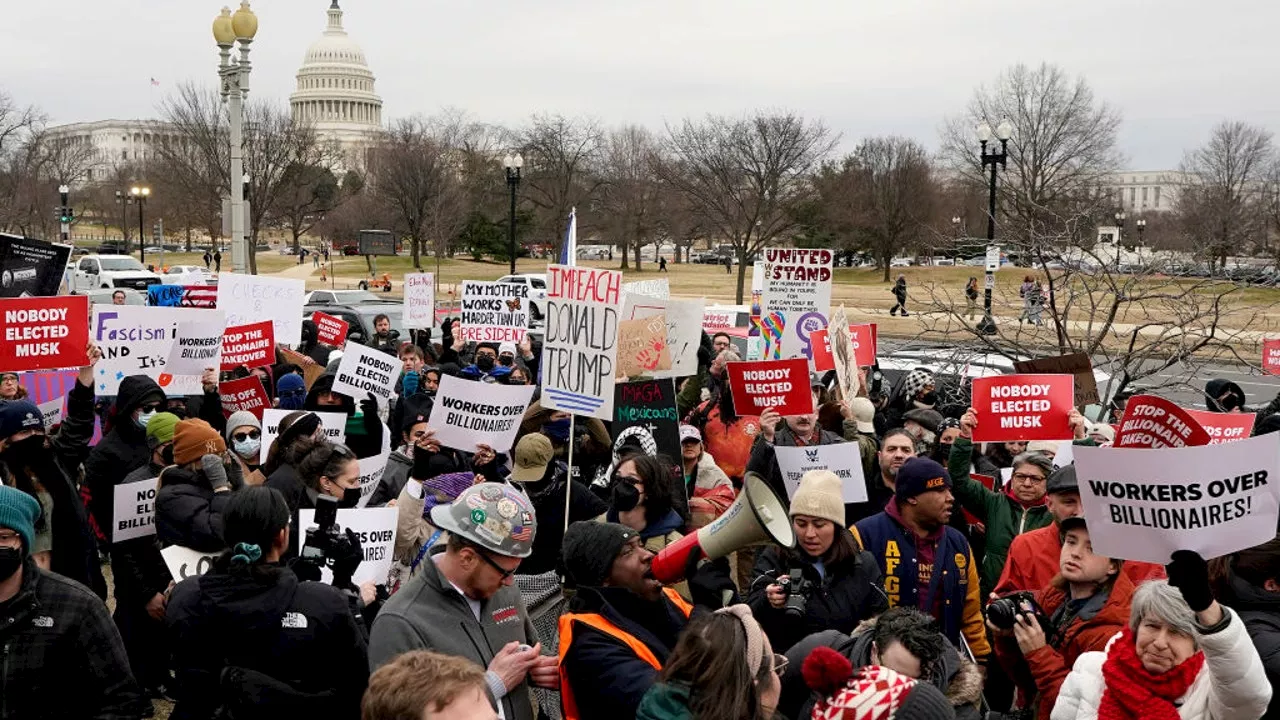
pixel 580 345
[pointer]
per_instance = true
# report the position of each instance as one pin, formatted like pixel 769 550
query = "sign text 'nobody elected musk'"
pixel 330 330
pixel 44 333
pixel 494 311
pixel 782 385
pixel 580 345
pixel 1015 408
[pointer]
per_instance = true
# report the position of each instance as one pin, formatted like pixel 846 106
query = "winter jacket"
pixel 297 639
pixel 1004 517
pixel 710 492
pixel 429 614
pixel 1260 611
pixel 62 656
pixel 665 702
pixel 952 596
pixel 394 477
pixel 1232 684
pixel 188 511
pixel 137 567
pixel 900 291
pixel 841 598
pixel 730 444
pixel 285 480
pixel 121 451
pixel 765 462
pixel 1034 560
pixel 547 497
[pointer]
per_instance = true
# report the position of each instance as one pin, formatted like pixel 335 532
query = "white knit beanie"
pixel 821 494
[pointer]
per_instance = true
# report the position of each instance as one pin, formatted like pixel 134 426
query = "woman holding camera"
pixel 827 582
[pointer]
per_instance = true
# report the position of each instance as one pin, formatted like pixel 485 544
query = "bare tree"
pixel 1222 204
pixel 561 159
pixel 307 192
pixel 20 167
pixel 630 194
pixel 744 177
pixel 410 167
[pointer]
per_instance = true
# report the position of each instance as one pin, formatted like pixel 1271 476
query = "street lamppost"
pixel 64 214
pixel 513 165
pixel 139 196
pixel 124 200
pixel 1120 216
pixel 994 160
pixel 1142 228
pixel 238 29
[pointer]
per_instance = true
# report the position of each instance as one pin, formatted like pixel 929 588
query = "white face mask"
pixel 145 418
pixel 248 448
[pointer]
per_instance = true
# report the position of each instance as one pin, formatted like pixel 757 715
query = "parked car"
pixel 207 276
pixel 343 297
pixel 110 271
pixel 360 317
pixel 350 250
pixel 537 293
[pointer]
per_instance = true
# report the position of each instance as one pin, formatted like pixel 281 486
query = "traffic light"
pixel 65 215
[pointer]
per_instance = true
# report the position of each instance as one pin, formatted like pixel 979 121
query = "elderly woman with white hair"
pixel 1183 657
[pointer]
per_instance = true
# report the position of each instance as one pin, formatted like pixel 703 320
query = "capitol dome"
pixel 335 91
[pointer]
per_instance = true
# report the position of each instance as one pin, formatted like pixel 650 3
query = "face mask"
pixel 25 453
pixel 350 498
pixel 484 363
pixel 625 496
pixel 942 454
pixel 145 418
pixel 1230 402
pixel 293 399
pixel 248 448
pixel 557 430
pixel 507 360
pixel 10 561
pixel 927 400
pixel 410 383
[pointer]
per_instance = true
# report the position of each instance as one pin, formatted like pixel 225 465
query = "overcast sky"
pixel 1173 67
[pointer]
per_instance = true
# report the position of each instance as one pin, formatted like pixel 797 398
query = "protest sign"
pixel 419 301
pixel 184 562
pixel 1224 427
pixel 1076 364
pixel 245 394
pixel 364 370
pixel 796 283
pixel 821 355
pixel 493 312
pixel 580 342
pixel 864 344
pixel 859 345
pixel 197 346
pixel 51 412
pixel 334 424
pixel 30 267
pixel 247 299
pixel 843 459
pixel 135 510
pixel 779 384
pixel 1212 499
pixel 1153 422
pixel 1271 357
pixel 137 340
pixel 713 320
pixel 642 347
pixel 330 330
pixel 250 345
pixel 658 288
pixel 644 415
pixel 684 333
pixel 468 413
pixel 377 530
pixel 200 296
pixel 371 469
pixel 1022 408
pixel 42 333
pixel 311 371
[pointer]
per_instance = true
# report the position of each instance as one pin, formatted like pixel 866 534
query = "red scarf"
pixel 1133 693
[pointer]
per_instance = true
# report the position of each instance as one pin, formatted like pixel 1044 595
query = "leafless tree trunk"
pixel 1222 205
pixel 561 158
pixel 409 171
pixel 630 194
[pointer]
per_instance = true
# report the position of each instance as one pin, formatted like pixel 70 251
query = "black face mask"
pixel 506 361
pixel 26 453
pixel 10 561
pixel 625 496
pixel 942 454
pixel 929 398
pixel 350 498
pixel 484 363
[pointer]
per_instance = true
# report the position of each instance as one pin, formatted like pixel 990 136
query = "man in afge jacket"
pixel 927 564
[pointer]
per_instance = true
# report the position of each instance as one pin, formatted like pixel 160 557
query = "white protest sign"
pixel 658 288
pixel 334 424
pixel 1213 499
pixel 250 298
pixel 364 370
pixel 797 283
pixel 184 562
pixel 377 530
pixel 371 469
pixel 51 411
pixel 136 340
pixel 135 510
pixel 580 342
pixel 684 329
pixel 494 312
pixel 197 346
pixel 468 413
pixel 419 301
pixel 843 459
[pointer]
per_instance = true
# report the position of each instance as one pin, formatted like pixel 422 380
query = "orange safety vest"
pixel 598 622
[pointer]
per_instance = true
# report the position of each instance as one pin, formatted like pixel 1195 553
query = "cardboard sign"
pixel 377 530
pixel 419 301
pixel 30 267
pixel 184 562
pixel 249 345
pixel 644 414
pixel 1224 427
pixel 135 510
pixel 311 371
pixel 1213 499
pixel 494 312
pixel 330 330
pixel 1023 407
pixel 137 340
pixel 198 346
pixel 642 347
pixel 659 288
pixel 246 299
pixel 684 333
pixel 580 344
pixel 1077 364
pixel 797 284
pixel 364 370
pixel 843 459
pixel 245 394
pixel 334 424
pixel 43 333
pixel 779 384
pixel 468 413
pixel 1153 422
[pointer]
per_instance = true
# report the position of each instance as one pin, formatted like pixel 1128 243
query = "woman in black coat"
pixel 194 491
pixel 1249 583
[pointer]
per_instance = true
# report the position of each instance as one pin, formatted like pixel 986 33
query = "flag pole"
pixel 568 484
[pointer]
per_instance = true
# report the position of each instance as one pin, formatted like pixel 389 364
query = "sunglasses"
pixel 149 407
pixel 780 663
pixel 242 436
pixel 493 564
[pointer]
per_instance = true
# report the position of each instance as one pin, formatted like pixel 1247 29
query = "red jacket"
pixel 1033 562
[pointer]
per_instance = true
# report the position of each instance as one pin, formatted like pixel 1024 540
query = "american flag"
pixel 524 533
pixel 155 82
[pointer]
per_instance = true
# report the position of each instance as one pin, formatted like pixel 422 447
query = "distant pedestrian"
pixel 728 265
pixel 971 295
pixel 1024 291
pixel 326 255
pixel 217 261
pixel 900 292
pixel 207 259
pixel 662 264
pixel 1035 303
pixel 315 259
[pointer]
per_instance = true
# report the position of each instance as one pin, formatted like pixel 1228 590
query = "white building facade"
pixel 1147 191
pixel 110 144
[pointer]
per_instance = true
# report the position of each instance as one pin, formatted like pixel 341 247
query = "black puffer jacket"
pixel 1260 611
pixel 188 511
pixel 137 566
pixel 266 645
pixel 120 451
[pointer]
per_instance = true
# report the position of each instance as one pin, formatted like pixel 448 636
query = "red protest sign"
pixel 250 345
pixel 864 344
pixel 44 333
pixel 1271 357
pixel 330 330
pixel 779 384
pixel 1224 427
pixel 1153 422
pixel 989 483
pixel 820 348
pixel 244 394
pixel 1013 408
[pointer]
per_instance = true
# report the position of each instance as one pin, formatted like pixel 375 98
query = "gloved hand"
pixel 710 582
pixel 704 356
pixel 1190 574
pixel 372 423
pixel 409 384
pixel 345 564
pixel 235 475
pixel 215 471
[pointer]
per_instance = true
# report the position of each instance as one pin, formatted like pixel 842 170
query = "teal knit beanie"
pixel 18 512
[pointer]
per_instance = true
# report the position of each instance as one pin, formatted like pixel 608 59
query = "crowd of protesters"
pixel 522 585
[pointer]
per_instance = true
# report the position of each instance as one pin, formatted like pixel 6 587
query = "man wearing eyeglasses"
pixel 464 602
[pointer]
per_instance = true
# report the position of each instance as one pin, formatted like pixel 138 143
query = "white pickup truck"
pixel 93 272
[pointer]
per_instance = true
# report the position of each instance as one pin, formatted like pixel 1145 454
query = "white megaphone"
pixel 757 517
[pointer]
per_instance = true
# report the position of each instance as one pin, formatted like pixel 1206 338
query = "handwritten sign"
pixel 468 413
pixel 377 530
pixel 843 459
pixel 245 394
pixel 580 345
pixel 1153 422
pixel 185 563
pixel 419 300
pixel 247 299
pixel 494 311
pixel 364 370
pixel 684 333
pixel 779 384
pixel 642 347
pixel 796 283
pixel 1014 408
pixel 659 288
pixel 135 510
pixel 42 333
pixel 249 346
pixel 644 415
pixel 51 412
pixel 198 346
pixel 334 425
pixel 136 340
pixel 330 330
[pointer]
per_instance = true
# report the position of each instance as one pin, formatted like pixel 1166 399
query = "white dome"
pixel 335 90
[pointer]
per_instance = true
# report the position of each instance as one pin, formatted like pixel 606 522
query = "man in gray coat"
pixel 465 603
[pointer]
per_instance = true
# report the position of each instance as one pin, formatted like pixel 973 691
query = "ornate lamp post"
pixel 229 30
pixel 139 196
pixel 513 165
pixel 994 160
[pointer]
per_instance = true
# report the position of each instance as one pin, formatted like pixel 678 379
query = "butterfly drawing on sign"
pixel 513 304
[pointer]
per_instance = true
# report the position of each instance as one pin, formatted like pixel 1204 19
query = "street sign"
pixel 991 282
pixel 993 258
pixel 377 242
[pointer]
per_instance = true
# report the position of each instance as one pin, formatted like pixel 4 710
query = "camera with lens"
pixel 1003 612
pixel 328 545
pixel 797 590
